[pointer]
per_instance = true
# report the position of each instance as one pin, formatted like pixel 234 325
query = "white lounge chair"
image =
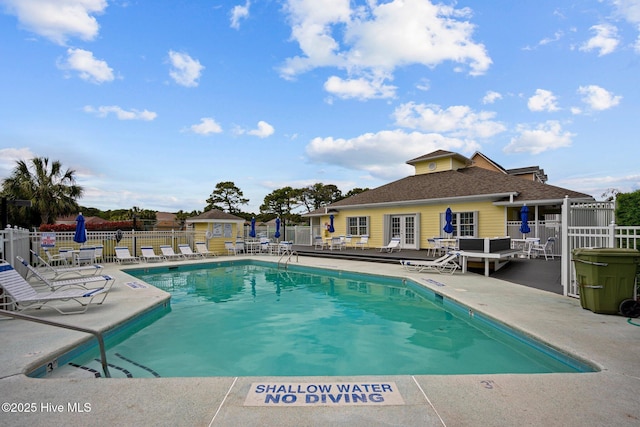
pixel 201 247
pixel 20 295
pixel 186 251
pixel 445 264
pixel 394 243
pixel 123 256
pixel 60 271
pixel 168 252
pixel 149 255
pixel 105 280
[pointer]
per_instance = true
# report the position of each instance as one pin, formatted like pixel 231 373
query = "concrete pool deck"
pixel 610 396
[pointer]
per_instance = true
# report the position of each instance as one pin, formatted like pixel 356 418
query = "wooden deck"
pixel 534 273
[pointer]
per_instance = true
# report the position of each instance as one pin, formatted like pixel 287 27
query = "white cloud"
pixel 546 136
pixel 88 67
pixel 238 13
pixel 630 11
pixel 598 98
pixel 121 114
pixel 58 20
pixel 264 130
pixel 9 157
pixel 597 185
pixel 378 38
pixel 383 154
pixel 185 70
pixel 456 121
pixel 543 100
pixel 491 97
pixel 360 88
pixel 206 126
pixel 605 41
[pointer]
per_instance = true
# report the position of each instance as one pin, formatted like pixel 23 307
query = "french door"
pixel 405 227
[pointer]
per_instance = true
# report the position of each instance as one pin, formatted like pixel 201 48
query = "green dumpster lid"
pixel 606 252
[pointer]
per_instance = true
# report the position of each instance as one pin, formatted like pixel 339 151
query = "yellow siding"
pixel 215 244
pixel 491 219
pixel 443 164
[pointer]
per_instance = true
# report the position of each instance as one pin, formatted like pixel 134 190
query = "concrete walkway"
pixel 610 396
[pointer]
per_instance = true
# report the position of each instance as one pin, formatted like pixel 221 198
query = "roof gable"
pixel 469 182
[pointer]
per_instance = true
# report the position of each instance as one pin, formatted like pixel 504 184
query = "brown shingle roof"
pixel 466 182
pixel 216 214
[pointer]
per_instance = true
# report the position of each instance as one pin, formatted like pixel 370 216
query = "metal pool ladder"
pixel 288 255
pixel 97 334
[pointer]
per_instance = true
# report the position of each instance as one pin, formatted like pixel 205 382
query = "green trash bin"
pixel 606 277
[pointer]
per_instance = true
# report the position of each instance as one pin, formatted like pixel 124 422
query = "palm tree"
pixel 52 191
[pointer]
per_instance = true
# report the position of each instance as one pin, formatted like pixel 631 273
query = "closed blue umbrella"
pixel 448 216
pixel 252 232
pixel 81 231
pixel 524 217
pixel 277 233
pixel 331 229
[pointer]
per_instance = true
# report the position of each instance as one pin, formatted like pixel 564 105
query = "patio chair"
pixel 77 281
pixel 98 253
pixel 60 271
pixel 60 258
pixel 123 256
pixel 186 251
pixel 168 252
pixel 445 264
pixel 85 256
pixel 363 243
pixel 545 248
pixel 201 247
pixel 231 248
pixel 20 295
pixel 318 242
pixel 394 244
pixel 149 255
pixel 336 243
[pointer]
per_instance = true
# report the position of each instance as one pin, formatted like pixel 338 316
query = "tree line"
pixel 52 192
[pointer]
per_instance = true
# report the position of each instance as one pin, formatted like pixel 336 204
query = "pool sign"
pixel 323 394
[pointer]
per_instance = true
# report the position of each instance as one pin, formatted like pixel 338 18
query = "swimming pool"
pixel 249 318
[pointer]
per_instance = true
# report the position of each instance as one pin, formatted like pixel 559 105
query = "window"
pixel 465 224
pixel 358 225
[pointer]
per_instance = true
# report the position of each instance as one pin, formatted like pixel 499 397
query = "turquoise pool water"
pixel 248 318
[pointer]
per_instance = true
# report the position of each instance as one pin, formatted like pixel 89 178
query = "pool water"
pixel 250 318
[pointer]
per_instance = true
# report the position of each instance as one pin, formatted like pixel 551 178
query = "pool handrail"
pixel 97 334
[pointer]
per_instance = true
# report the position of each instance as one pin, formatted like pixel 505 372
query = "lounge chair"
pixel 201 247
pixel 186 251
pixel 123 256
pixel 445 264
pixel 149 255
pixel 168 252
pixel 394 243
pixel 20 295
pixel 105 280
pixel 60 271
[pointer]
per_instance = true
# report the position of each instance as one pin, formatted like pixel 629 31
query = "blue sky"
pixel 153 103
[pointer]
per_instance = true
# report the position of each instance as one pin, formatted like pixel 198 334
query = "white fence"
pixel 590 225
